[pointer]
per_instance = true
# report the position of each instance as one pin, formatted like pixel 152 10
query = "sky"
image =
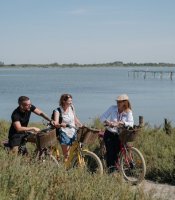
pixel 87 31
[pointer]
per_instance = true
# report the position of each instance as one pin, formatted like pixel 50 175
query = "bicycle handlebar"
pixel 51 127
pixel 118 126
pixel 28 133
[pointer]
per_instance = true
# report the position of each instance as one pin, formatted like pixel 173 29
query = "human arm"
pixel 20 121
pixel 56 117
pixel 19 128
pixel 104 118
pixel 39 112
pixel 77 121
pixel 126 120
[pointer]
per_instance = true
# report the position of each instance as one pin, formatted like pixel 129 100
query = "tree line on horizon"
pixel 116 63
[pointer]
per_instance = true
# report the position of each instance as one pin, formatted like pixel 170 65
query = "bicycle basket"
pixel 87 135
pixel 129 134
pixel 46 139
pixel 31 138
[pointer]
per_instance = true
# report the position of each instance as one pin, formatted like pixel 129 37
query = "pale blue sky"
pixel 87 31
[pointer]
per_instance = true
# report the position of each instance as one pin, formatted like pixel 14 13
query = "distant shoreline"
pixel 114 64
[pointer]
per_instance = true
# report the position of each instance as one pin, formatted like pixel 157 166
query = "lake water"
pixel 93 89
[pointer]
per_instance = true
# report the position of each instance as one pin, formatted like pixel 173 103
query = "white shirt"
pixel 68 118
pixel 113 115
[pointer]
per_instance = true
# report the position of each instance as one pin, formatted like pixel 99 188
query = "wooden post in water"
pixel 136 73
pixel 141 121
pixel 161 75
pixel 171 75
pixel 154 74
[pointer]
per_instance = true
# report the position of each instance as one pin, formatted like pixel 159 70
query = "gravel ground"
pixel 159 191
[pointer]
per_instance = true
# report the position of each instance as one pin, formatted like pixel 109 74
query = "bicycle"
pixel 80 157
pixel 130 162
pixel 45 140
pixel 47 149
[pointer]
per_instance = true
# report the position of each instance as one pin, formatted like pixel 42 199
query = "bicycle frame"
pixel 79 155
pixel 130 162
pixel 75 149
pixel 123 152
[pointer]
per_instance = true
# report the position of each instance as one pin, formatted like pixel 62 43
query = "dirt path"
pixel 163 191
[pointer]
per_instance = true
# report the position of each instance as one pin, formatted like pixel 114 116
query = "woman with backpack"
pixel 65 121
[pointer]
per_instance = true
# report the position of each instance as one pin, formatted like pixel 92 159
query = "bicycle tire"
pixel 132 165
pixel 91 162
pixel 47 158
pixel 102 154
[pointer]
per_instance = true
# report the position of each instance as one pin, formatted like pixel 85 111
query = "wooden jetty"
pixel 145 73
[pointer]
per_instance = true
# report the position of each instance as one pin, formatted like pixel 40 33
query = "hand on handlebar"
pixel 113 124
pixel 64 125
pixel 52 123
pixel 80 125
pixel 119 124
pixel 109 123
pixel 35 130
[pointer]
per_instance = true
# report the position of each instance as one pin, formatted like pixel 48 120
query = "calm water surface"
pixel 93 90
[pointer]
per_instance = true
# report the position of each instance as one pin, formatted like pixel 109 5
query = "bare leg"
pixel 65 150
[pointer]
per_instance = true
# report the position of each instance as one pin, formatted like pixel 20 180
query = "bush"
pixel 158 149
pixel 159 153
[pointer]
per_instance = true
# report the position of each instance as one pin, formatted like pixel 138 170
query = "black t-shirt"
pixel 22 117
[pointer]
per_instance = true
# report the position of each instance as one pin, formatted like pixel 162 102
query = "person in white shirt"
pixel 113 118
pixel 65 121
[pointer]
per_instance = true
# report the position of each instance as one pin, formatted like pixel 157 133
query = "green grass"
pixel 21 178
pixel 158 149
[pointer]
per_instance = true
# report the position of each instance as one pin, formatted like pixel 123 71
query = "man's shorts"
pixel 64 139
pixel 15 140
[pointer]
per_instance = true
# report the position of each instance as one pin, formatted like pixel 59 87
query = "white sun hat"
pixel 122 97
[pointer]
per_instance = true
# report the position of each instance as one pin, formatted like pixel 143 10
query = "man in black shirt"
pixel 20 119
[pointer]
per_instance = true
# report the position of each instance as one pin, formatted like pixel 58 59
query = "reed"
pixel 158 149
pixel 23 178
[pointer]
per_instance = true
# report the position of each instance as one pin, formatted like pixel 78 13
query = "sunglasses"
pixel 120 102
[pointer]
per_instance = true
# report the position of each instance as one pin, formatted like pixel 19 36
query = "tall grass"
pixel 158 149
pixel 23 178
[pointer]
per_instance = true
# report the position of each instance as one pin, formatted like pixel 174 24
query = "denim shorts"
pixel 64 139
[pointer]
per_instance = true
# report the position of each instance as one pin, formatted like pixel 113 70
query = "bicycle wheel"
pixel 90 161
pixel 47 158
pixel 132 165
pixel 102 154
